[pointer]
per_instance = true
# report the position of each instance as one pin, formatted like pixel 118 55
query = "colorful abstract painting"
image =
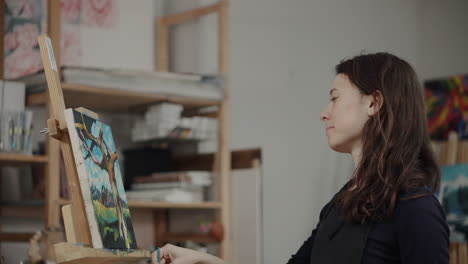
pixel 453 195
pixel 447 106
pixel 25 20
pixel 101 182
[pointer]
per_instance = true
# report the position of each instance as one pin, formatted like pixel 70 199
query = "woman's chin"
pixel 338 147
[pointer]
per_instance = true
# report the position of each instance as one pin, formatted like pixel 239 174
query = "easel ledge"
pixel 68 253
pixel 72 252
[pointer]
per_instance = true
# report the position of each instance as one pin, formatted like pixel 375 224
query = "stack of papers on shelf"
pixel 167 195
pixel 197 178
pixel 187 85
pixel 177 187
pixel 163 121
pixel 163 83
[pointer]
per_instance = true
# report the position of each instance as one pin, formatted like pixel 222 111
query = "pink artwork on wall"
pixel 70 10
pixel 24 21
pixel 99 13
pixel 70 45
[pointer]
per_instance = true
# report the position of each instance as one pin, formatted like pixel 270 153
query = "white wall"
pixel 128 45
pixel 444 38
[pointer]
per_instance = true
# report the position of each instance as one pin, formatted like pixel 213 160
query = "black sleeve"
pixel 302 256
pixel 423 234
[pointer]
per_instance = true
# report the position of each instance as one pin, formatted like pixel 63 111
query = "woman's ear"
pixel 375 103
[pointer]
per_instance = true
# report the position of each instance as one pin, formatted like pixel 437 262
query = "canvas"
pixel 453 195
pixel 101 182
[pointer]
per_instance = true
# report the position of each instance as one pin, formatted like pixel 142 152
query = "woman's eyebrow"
pixel 332 90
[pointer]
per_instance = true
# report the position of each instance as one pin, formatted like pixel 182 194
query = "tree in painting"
pixel 107 193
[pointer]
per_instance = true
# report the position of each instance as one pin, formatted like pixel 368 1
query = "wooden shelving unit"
pixel 116 100
pixel 164 205
pixel 14 159
pixel 19 210
pixel 16 237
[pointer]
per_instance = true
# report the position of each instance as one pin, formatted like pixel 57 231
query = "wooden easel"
pixel 78 247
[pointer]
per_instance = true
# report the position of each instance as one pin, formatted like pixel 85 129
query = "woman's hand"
pixel 171 254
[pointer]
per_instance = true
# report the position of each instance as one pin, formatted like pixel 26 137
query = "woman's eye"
pixel 333 99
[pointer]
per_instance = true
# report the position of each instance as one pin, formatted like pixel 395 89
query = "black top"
pixel 416 233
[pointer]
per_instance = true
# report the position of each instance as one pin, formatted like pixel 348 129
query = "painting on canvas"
pixel 453 195
pixel 447 106
pixel 101 182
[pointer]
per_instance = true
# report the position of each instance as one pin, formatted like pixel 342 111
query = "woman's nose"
pixel 323 115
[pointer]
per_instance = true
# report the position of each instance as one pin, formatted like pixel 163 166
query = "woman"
pixel 387 212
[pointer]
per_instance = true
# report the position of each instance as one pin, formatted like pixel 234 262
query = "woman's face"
pixel 345 115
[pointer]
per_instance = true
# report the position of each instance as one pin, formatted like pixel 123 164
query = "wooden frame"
pixel 222 161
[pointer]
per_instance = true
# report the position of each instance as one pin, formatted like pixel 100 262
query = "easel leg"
pixel 68 223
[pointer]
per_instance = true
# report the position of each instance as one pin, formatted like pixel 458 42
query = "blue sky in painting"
pixel 96 175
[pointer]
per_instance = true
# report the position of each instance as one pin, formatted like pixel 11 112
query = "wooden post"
pixel 452 148
pixel 160 218
pixel 69 223
pixel 52 192
pixel 224 129
pixel 162 45
pixel 54 27
pixel 52 170
pixel 2 34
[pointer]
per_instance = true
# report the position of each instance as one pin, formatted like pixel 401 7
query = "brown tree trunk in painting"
pixel 107 163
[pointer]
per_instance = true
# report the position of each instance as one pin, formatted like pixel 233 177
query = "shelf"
pixel 37 209
pixel 15 237
pixel 14 159
pixel 115 100
pixel 21 209
pixel 185 236
pixel 165 205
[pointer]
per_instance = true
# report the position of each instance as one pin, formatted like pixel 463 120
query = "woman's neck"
pixel 356 154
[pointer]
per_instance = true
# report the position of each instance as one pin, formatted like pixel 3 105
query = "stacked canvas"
pixel 164 121
pixel 158 122
pixel 176 187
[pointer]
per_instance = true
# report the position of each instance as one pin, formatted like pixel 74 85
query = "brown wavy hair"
pixel 396 153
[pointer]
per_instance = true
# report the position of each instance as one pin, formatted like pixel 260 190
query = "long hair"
pixel 396 153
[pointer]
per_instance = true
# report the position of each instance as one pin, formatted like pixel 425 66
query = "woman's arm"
pixel 171 254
